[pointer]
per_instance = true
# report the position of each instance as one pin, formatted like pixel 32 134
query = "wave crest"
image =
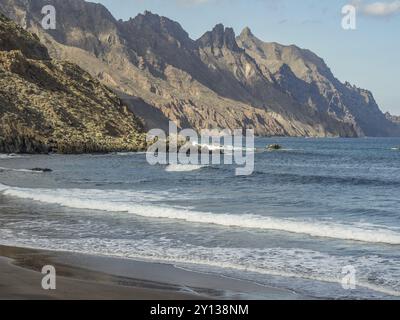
pixel 117 201
pixel 183 167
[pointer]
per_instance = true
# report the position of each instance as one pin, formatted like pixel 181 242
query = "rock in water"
pixel 274 147
pixel 42 170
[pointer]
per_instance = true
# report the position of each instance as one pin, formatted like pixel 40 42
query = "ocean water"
pixel 307 212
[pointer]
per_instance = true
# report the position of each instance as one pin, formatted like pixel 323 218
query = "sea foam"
pixel 294 263
pixel 141 204
pixel 183 167
pixel 5 156
pixel 21 170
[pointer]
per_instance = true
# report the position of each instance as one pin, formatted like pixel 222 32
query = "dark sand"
pixel 82 276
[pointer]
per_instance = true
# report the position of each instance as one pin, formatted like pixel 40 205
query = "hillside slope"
pixel 48 105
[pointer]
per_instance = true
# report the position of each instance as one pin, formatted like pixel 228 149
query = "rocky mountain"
pixel 307 78
pixel 217 81
pixel 55 106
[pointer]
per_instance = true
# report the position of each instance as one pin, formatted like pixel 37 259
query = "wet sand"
pixel 82 277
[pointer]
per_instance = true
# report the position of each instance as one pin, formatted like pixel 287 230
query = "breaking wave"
pixel 140 204
pixel 183 167
pixel 21 170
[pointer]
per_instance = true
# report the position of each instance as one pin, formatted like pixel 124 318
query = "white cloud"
pixel 378 9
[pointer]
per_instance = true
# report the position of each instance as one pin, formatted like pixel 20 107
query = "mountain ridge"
pixel 216 81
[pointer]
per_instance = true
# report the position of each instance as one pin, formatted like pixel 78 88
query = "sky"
pixel 367 56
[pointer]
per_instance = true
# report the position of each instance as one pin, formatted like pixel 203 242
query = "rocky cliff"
pixel 54 106
pixel 217 81
pixel 306 77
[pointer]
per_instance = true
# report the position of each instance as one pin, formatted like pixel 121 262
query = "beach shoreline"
pixel 88 277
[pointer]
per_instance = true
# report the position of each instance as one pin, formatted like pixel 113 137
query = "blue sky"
pixel 367 57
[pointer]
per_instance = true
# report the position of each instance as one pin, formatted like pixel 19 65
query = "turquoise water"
pixel 305 213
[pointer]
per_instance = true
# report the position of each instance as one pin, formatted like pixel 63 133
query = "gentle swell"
pixel 326 180
pixel 114 202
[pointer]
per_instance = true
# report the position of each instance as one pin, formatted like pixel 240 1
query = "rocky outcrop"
pixel 218 81
pixel 392 118
pixel 55 106
pixel 219 38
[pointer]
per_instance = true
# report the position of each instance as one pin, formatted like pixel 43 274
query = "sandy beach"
pixel 91 277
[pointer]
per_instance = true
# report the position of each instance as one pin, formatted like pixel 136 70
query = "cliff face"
pixel 306 77
pixel 218 81
pixel 48 105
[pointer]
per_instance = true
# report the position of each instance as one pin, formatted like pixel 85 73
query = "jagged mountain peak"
pixel 147 17
pixel 246 33
pixel 154 22
pixel 86 13
pixel 303 62
pixel 219 37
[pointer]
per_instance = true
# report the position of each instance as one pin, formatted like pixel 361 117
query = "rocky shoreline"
pixel 26 145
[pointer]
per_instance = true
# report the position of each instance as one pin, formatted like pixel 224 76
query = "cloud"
pixel 378 9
